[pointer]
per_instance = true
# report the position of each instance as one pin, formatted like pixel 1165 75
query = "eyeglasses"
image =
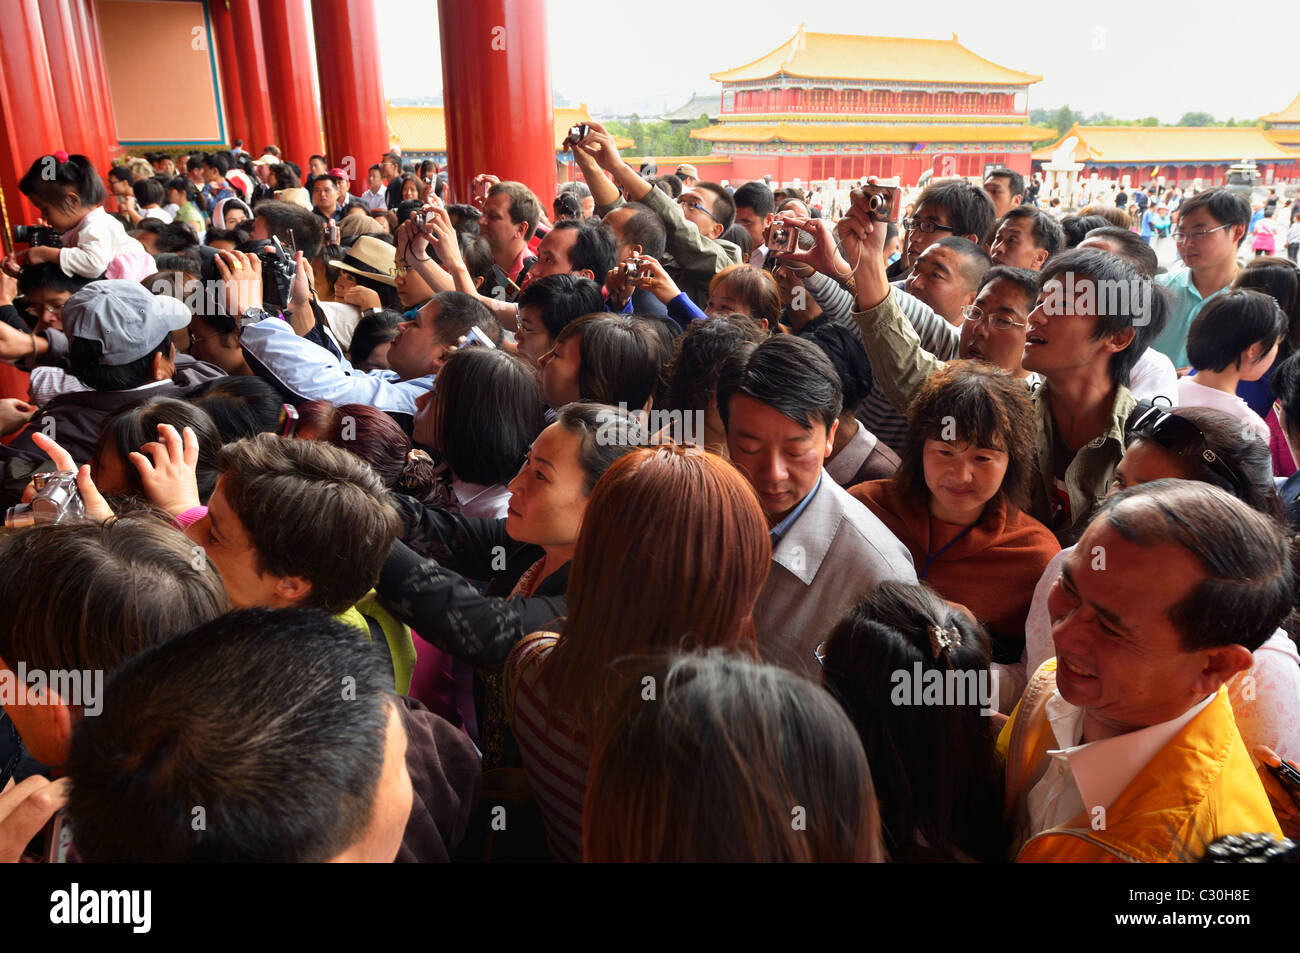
pixel 925 225
pixel 693 205
pixel 1183 438
pixel 1196 236
pixel 195 339
pixel 997 320
pixel 819 654
pixel 400 270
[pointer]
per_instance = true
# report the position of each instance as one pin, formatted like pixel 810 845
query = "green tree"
pixel 1063 119
pixel 1148 121
pixel 1196 119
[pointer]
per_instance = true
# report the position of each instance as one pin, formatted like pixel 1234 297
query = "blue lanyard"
pixel 931 558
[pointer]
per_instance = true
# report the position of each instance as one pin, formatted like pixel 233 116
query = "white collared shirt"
pixel 1092 775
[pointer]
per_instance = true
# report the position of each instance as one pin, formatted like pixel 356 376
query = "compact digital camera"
pixel 278 270
pixel 882 202
pixel 784 240
pixel 631 270
pixel 57 500
pixel 579 132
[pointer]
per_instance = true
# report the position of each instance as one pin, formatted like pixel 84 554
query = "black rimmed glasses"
pixel 1183 438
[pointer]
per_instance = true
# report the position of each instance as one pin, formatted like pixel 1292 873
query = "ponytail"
pixel 56 178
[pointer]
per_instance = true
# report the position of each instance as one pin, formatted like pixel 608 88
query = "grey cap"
pixel 124 317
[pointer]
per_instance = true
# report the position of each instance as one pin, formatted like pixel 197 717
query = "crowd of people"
pixel 676 522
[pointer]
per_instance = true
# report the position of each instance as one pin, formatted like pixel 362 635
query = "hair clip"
pixel 942 639
pixel 61 156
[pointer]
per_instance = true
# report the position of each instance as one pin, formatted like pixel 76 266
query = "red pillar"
pixel 286 39
pixel 496 71
pixel 81 133
pixel 99 101
pixel 232 90
pixel 251 58
pixel 351 85
pixel 28 108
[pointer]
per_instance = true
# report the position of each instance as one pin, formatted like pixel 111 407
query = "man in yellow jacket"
pixel 1124 747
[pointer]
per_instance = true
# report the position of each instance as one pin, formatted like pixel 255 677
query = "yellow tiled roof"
pixel 1112 144
pixel 851 132
pixel 424 128
pixel 1290 114
pixel 842 56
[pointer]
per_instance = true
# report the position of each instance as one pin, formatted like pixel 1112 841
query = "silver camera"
pixel 579 132
pixel 57 500
pixel 631 270
pixel 882 202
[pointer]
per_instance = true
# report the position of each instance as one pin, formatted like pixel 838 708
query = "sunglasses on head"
pixel 1183 438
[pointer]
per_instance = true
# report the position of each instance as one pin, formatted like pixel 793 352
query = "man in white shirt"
pixel 375 197
pixel 1124 746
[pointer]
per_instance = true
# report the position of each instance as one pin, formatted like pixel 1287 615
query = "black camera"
pixel 37 235
pixel 278 270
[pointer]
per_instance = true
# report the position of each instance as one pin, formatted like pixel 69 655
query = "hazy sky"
pixel 1123 58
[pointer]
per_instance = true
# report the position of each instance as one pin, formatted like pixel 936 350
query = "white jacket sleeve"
pixel 310 371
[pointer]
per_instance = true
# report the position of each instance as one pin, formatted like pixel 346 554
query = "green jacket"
pixel 400 645
pixel 1089 474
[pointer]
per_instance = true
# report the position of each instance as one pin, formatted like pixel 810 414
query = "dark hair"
pixel 669 184
pixel 240 405
pixel 94 594
pixel 284 176
pixel 186 264
pixel 1280 278
pixel 755 196
pixel 1249 584
pixel 1223 205
pixel 83 359
pixel 236 235
pixel 1230 323
pixel 1131 247
pixel 524 206
pixel 979 404
pixel 464 218
pixel 149 192
pixel 1015 181
pixel 593 247
pixel 130 428
pixel 219 161
pixel 621 358
pixel 1046 232
pixel 756 288
pixel 457 313
pixel 1022 278
pixel 243 716
pixel 1076 227
pixel 310 510
pixel 974 259
pixel 1141 306
pixel 1242 450
pixel 376 328
pixel 181 184
pixel 486 413
pixel 646 229
pixel 56 183
pixel 48 276
pixel 970 210
pixel 1285 383
pixel 292 224
pixel 724 209
pixel 739 237
pixel 561 299
pixel 844 348
pixel 168 236
pixel 371 435
pixel 700 353
pixel 790 375
pixel 120 173
pixel 592 423
pixel 712 769
pixel 937 776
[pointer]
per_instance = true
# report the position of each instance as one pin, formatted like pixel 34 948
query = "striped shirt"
pixel 555 759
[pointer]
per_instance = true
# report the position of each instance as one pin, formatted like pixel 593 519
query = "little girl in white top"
pixel 1233 339
pixel 69 194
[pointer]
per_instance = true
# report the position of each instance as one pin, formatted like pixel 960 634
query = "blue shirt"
pixel 781 528
pixel 1185 304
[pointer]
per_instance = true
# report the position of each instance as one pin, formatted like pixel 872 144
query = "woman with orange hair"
pixel 691 529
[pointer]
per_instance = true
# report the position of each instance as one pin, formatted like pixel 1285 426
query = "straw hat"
pixel 370 258
pixel 296 196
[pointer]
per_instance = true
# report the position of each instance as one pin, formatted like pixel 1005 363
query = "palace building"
pixel 824 105
pixel 1179 154
pixel 1286 125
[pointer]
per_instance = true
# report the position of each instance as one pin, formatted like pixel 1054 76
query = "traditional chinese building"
pixel 1178 154
pixel 824 105
pixel 1286 125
